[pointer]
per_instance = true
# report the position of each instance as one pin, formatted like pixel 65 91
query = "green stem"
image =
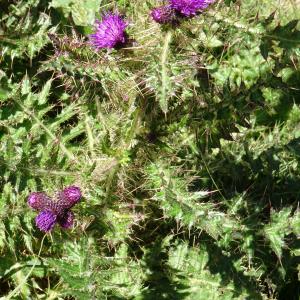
pixel 164 72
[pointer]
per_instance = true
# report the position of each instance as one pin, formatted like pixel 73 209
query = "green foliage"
pixel 24 33
pixel 185 206
pixel 281 225
pixel 185 144
pixel 194 266
pixel 83 12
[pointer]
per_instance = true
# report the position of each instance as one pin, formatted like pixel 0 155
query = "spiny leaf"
pixel 277 229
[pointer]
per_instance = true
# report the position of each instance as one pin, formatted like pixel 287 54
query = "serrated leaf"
pixel 277 229
pixel 192 266
pixel 26 86
pixel 43 95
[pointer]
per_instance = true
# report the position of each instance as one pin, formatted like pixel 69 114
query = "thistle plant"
pixel 184 141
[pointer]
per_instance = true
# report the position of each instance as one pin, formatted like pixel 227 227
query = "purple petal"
pixel 45 220
pixel 110 32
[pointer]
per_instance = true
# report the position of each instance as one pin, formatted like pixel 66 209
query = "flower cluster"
pixel 181 8
pixel 110 32
pixel 55 211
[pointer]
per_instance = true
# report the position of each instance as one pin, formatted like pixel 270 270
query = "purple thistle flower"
pixel 67 220
pixel 189 7
pixel 110 32
pixel 72 194
pixel 163 14
pixel 52 212
pixel 66 199
pixel 38 200
pixel 45 220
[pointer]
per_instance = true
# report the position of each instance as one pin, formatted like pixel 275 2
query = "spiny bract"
pixel 163 14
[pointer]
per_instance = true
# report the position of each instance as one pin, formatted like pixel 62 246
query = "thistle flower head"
pixel 163 14
pixel 189 7
pixel 66 220
pixel 38 200
pixel 45 220
pixel 110 32
pixel 66 199
pixel 72 194
pixel 55 211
